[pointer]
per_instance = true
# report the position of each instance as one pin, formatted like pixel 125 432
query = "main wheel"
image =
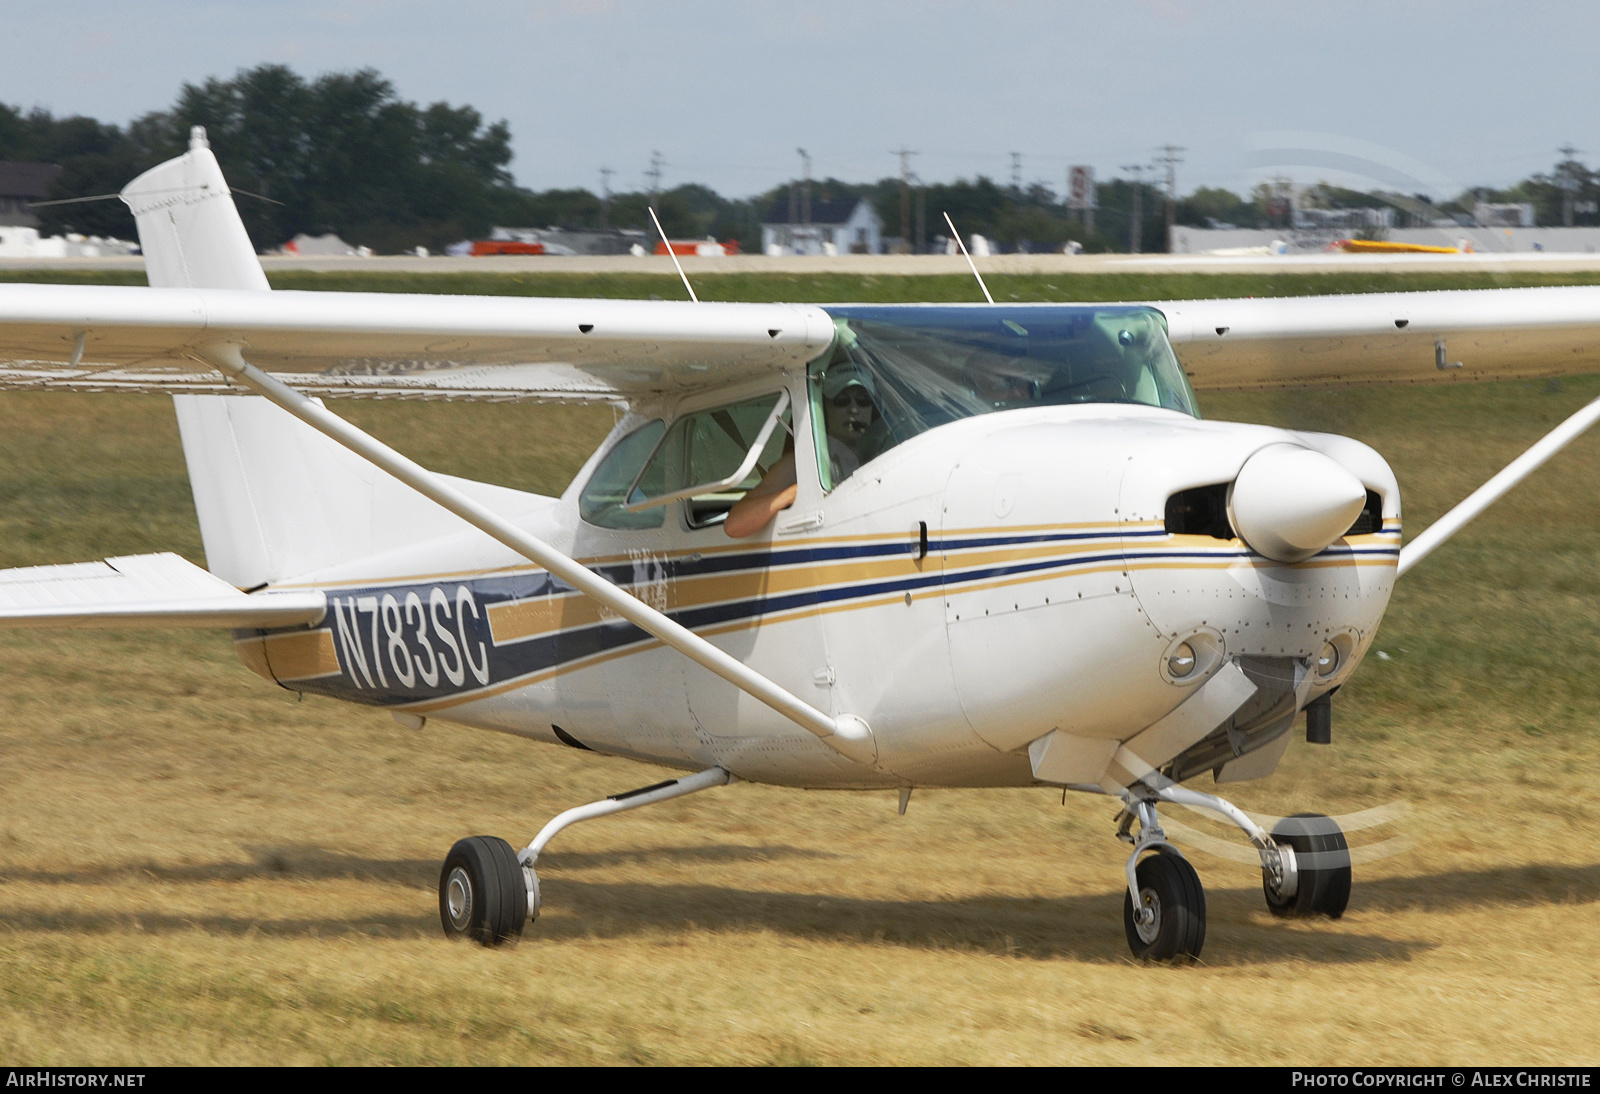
pixel 1169 890
pixel 482 894
pixel 1323 859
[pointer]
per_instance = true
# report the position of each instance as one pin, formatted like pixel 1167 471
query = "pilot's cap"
pixel 836 380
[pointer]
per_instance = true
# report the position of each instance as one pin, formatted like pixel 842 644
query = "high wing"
pixel 143 590
pixel 391 345
pixel 1485 334
pixel 396 345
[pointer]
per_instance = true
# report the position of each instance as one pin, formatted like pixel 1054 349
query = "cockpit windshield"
pixel 924 366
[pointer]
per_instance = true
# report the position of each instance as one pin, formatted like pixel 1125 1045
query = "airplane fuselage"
pixel 970 591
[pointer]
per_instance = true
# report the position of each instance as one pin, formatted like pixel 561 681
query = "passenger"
pixel 774 493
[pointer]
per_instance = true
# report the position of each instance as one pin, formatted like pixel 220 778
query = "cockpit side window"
pixel 709 446
pixel 602 500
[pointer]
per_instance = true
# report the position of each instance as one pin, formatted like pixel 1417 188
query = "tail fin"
pixel 189 228
pixel 277 500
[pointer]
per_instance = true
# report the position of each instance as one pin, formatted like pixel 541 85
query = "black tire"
pixel 1323 857
pixel 1170 887
pixel 482 895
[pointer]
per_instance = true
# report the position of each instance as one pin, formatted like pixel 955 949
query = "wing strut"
pixel 847 734
pixel 1496 488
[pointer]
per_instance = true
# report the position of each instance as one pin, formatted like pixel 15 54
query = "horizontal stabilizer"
pixel 161 590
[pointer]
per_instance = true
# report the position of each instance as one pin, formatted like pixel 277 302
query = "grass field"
pixel 837 287
pixel 197 868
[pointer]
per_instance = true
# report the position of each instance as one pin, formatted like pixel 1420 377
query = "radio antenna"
pixel 970 263
pixel 667 243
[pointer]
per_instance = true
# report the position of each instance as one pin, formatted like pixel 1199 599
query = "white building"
pixel 19 242
pixel 840 226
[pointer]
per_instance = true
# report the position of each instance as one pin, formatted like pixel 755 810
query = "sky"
pixel 1424 96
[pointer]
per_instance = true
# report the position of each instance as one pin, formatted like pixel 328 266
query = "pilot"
pixel 848 417
pixel 849 414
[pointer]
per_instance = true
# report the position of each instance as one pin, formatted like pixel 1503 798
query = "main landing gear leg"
pixel 487 891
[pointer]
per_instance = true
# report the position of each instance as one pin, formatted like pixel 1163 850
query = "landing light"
pixel 1328 660
pixel 1192 657
pixel 1181 661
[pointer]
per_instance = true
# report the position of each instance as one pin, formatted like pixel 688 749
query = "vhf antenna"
pixel 970 263
pixel 667 243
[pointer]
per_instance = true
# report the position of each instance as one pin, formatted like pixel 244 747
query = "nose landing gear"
pixel 1305 870
pixel 1170 922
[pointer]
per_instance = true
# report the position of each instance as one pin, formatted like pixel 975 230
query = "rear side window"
pixel 711 445
pixel 608 490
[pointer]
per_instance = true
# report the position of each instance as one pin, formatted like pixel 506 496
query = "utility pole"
pixel 1169 156
pixel 1568 183
pixel 654 175
pixel 922 215
pixel 905 155
pixel 805 187
pixel 605 197
pixel 1137 171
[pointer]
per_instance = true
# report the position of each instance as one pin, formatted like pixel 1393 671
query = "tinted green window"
pixel 602 500
pixel 708 446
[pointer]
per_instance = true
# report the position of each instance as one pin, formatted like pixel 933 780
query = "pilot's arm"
pixel 775 492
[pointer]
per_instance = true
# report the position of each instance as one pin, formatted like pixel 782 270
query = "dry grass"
pixel 197 868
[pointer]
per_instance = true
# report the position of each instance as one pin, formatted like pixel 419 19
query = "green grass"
pixel 836 287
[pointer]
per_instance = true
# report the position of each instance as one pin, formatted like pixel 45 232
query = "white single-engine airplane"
pixel 904 546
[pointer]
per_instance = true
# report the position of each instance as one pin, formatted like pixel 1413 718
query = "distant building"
pixel 839 226
pixel 1491 214
pixel 17 241
pixel 322 246
pixel 1343 220
pixel 21 184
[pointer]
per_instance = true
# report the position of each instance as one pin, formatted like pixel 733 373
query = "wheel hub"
pixel 458 898
pixel 1147 919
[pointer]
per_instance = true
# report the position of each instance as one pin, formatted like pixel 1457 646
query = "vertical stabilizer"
pixel 189 229
pixel 276 499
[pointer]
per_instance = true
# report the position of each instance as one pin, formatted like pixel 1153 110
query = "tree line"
pixel 343 153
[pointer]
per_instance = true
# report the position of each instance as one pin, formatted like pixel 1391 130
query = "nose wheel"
pixel 1169 923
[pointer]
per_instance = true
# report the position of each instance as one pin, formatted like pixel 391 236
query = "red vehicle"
pixel 705 248
pixel 505 247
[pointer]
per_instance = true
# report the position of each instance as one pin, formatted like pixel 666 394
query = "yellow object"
pixel 1375 246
